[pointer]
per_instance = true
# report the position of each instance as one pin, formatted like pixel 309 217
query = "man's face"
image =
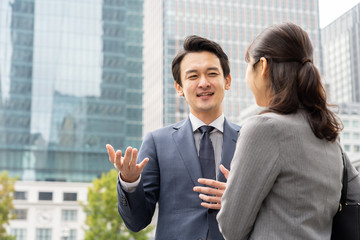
pixel 203 83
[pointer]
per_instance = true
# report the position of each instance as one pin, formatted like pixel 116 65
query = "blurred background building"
pixel 350 136
pixel 341 64
pixel 233 24
pixel 70 82
pixel 341 51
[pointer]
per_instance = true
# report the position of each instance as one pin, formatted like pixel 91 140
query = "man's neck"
pixel 207 118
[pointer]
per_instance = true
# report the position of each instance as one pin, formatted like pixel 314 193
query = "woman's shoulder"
pixel 275 122
pixel 267 119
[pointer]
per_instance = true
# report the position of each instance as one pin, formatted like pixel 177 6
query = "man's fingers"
pixel 127 157
pixel 224 171
pixel 117 161
pixel 143 164
pixel 210 199
pixel 133 157
pixel 111 153
pixel 216 206
pixel 212 183
pixel 210 191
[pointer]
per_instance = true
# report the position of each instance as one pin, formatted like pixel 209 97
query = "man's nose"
pixel 204 82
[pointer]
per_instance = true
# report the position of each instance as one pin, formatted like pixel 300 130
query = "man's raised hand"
pixel 129 170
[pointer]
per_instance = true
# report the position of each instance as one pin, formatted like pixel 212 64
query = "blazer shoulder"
pixel 168 129
pixel 232 125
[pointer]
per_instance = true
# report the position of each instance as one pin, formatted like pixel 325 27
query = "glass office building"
pixel 341 51
pixel 71 81
pixel 231 23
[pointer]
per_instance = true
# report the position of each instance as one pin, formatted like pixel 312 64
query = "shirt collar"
pixel 218 123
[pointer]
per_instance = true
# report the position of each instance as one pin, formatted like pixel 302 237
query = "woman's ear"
pixel 264 67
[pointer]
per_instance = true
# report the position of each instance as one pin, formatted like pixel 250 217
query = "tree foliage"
pixel 102 217
pixel 6 205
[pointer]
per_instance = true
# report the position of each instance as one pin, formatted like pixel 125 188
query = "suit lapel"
pixel 184 139
pixel 230 137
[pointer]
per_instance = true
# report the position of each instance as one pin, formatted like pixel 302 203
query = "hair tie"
pixel 305 60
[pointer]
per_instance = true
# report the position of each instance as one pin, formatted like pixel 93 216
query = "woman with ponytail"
pixel 285 177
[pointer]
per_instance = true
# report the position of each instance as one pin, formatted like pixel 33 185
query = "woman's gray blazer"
pixel 284 182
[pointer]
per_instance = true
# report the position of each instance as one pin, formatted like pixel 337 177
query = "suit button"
pixel 199 239
pixel 123 201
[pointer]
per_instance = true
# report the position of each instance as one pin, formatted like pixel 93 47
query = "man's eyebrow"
pixel 195 71
pixel 191 71
pixel 213 68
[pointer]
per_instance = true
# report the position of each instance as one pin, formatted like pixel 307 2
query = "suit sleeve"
pixel 254 169
pixel 137 208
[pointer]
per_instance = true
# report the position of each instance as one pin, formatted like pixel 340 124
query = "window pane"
pixel 20 214
pixel 356 135
pixel 43 234
pixel 357 148
pixel 70 196
pixel 45 196
pixel 68 234
pixel 19 233
pixel 20 195
pixel 69 215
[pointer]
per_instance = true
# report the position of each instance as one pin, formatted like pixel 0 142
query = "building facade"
pixel 341 50
pixel 71 81
pixel 349 113
pixel 49 210
pixel 233 24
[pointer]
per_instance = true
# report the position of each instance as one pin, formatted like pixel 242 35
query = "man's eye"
pixel 193 76
pixel 213 74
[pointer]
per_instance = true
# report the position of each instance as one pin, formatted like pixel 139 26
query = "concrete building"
pixel 233 24
pixel 49 210
pixel 341 50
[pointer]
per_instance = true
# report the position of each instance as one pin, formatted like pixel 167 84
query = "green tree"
pixel 6 206
pixel 102 217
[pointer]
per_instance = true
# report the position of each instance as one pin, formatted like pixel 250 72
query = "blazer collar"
pixel 184 139
pixel 230 136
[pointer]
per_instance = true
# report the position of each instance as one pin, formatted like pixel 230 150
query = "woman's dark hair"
pixel 199 44
pixel 295 81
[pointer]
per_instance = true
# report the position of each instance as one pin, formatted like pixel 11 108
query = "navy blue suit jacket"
pixel 168 179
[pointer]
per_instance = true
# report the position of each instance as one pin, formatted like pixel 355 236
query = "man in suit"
pixel 168 171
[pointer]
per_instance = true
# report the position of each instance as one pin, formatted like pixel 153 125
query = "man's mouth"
pixel 205 94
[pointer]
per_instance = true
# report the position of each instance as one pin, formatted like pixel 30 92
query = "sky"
pixel 330 10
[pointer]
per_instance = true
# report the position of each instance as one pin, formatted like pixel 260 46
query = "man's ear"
pixel 228 82
pixel 179 89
